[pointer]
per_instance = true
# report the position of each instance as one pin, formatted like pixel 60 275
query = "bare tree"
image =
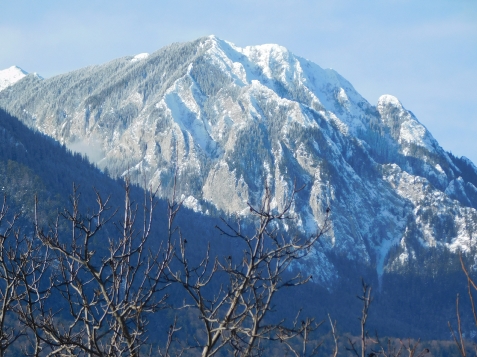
pixel 108 294
pixel 238 315
pixel 412 349
pixel 35 292
pixel 334 335
pixel 393 349
pixel 386 350
pixel 458 335
pixel 14 258
pixel 302 336
pixel 366 299
pixel 23 263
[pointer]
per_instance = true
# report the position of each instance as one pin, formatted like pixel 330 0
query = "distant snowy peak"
pixel 10 76
pixel 405 127
pixel 387 100
pixel 257 50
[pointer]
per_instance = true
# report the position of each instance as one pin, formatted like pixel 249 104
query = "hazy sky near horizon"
pixel 423 52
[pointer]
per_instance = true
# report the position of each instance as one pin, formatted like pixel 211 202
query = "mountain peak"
pixel 10 76
pixel 16 68
pixel 389 100
pixel 267 48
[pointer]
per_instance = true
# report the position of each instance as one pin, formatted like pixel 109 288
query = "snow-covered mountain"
pixel 10 76
pixel 229 120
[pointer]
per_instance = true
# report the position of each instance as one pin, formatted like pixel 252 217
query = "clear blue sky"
pixel 424 52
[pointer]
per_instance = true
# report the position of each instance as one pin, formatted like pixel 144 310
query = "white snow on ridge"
pixel 140 57
pixel 271 63
pixel 10 76
pixel 426 199
pixel 389 99
pixel 411 130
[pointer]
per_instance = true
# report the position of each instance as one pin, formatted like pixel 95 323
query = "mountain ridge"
pixel 10 76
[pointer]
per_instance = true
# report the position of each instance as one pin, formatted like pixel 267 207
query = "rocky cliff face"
pixel 229 120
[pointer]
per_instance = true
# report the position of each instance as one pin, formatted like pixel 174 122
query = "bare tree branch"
pixel 108 295
pixel 235 315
